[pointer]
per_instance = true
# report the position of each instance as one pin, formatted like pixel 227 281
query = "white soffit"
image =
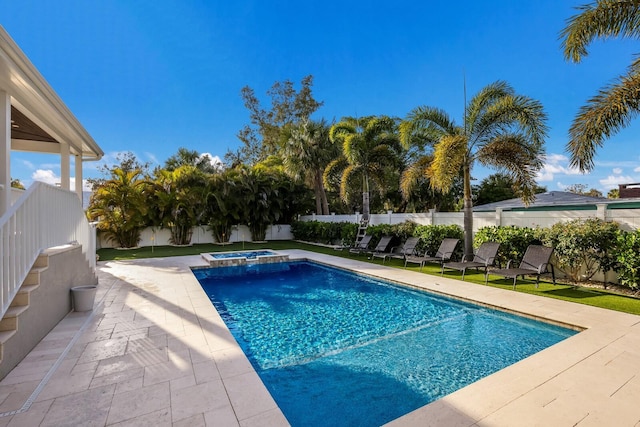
pixel 33 97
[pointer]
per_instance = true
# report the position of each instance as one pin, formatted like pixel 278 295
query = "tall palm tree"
pixel 613 107
pixel 307 153
pixel 369 146
pixel 500 129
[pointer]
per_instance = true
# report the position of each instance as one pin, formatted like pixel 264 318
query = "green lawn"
pixel 589 296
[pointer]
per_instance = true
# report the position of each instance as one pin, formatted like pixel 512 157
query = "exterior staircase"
pixel 10 321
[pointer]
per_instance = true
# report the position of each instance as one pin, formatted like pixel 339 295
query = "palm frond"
pixel 482 101
pixel 330 176
pixel 604 115
pixel 449 155
pixel 601 19
pixel 518 158
pixel 512 114
pixel 430 121
pixel 349 175
pixel 413 174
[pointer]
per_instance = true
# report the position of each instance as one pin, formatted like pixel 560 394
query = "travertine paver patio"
pixel 155 352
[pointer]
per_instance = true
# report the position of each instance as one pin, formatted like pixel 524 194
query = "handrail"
pixel 43 217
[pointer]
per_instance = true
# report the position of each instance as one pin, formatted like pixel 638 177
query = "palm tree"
pixel 120 205
pixel 224 204
pixel 500 129
pixel 369 146
pixel 613 107
pixel 180 201
pixel 307 153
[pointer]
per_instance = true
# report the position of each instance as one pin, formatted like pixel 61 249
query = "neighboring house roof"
pixel 545 200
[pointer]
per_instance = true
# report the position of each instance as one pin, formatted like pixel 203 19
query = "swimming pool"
pixel 337 348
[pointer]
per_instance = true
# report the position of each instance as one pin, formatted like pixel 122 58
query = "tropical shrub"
pixel 324 232
pixel 513 241
pixel 582 247
pixel 179 199
pixel 627 256
pixel 223 204
pixel 120 205
pixel 431 236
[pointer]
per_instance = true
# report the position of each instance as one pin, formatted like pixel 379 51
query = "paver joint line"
pixel 54 368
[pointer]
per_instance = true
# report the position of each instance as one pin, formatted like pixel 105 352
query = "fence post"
pixel 432 214
pixel 601 211
pixel 498 217
pixel 389 213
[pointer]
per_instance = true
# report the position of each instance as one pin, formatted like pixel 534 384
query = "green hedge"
pixel 581 247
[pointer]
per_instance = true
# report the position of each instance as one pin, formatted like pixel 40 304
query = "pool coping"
pixel 179 355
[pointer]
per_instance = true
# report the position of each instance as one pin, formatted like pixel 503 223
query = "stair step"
pixel 10 320
pixel 33 277
pixel 4 337
pixel 23 296
pixel 42 261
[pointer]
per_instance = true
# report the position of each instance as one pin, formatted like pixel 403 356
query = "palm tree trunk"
pixel 321 194
pixel 468 213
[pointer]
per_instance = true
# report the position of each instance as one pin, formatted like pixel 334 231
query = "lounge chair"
pixel 534 263
pixel 484 258
pixel 444 253
pixel 361 245
pixel 402 252
pixel 382 247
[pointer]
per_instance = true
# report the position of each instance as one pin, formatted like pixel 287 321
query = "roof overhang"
pixel 40 120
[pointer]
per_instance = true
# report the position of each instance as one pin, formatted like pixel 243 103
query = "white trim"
pixel 32 95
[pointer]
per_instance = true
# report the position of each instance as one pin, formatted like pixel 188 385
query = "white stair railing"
pixel 43 217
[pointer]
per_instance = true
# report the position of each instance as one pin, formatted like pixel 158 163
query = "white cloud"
pixel 49 177
pixel 555 164
pixel 46 175
pixel 28 164
pixel 617 171
pixel 215 161
pixel 612 181
pixel 561 186
pixel 637 169
pixel 152 158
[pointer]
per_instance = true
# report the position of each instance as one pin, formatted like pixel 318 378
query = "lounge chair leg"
pixel 463 270
pixel 514 282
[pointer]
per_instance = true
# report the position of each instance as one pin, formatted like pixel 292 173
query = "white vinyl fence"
pixel 629 219
pixel 159 237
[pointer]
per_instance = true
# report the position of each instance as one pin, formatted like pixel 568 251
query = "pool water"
pixel 337 348
pixel 244 254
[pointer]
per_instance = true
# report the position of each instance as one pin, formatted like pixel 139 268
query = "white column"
pixel 498 217
pixel 78 167
pixel 5 150
pixel 65 175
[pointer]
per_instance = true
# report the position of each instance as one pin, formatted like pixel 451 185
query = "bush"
pixel 324 232
pixel 513 241
pixel 583 247
pixel 432 235
pixel 627 257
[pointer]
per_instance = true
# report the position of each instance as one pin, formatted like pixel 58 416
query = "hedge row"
pixel 582 247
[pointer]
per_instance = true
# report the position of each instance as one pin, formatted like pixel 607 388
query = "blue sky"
pixel 150 77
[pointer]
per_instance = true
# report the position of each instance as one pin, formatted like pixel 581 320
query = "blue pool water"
pixel 245 254
pixel 337 348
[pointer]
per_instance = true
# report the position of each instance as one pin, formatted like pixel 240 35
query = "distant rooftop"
pixel 545 200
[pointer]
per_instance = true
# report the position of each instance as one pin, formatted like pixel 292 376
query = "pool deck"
pixel 154 351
